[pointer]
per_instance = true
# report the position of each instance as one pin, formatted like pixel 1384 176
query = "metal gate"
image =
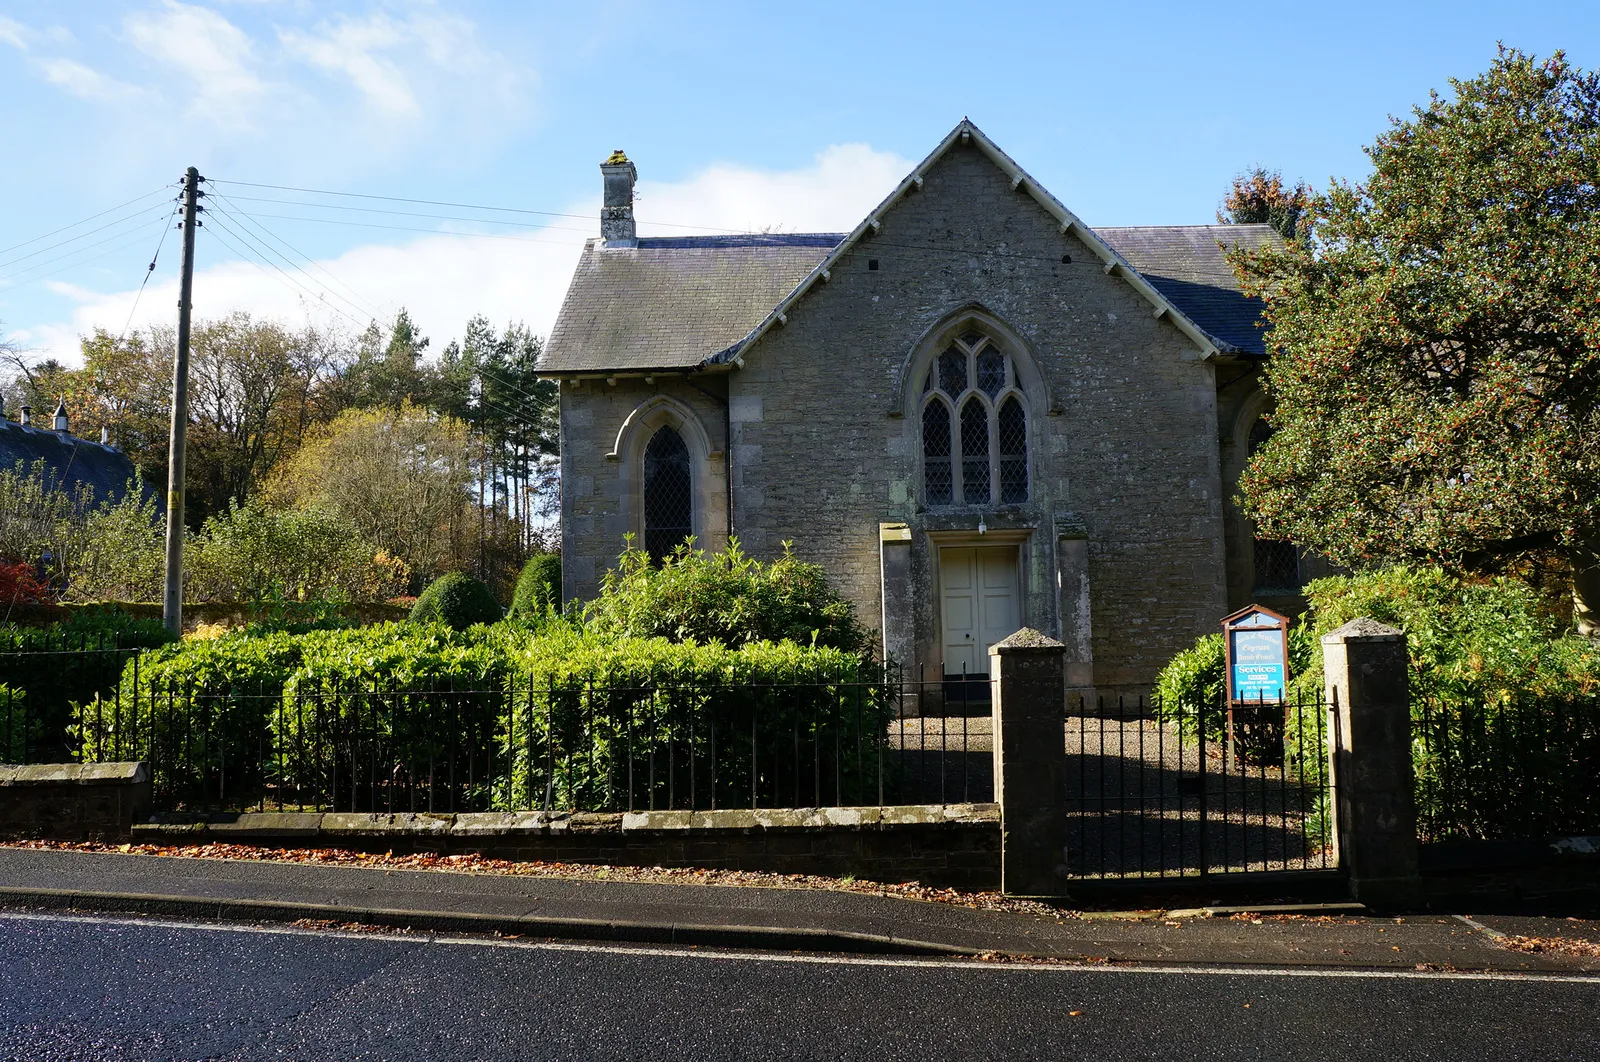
pixel 1161 791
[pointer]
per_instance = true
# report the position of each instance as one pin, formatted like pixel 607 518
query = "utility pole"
pixel 172 604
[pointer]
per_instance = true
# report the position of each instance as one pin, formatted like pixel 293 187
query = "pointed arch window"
pixel 979 456
pixel 668 493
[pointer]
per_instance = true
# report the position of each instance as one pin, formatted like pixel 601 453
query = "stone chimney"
pixel 60 423
pixel 617 228
pixel 27 414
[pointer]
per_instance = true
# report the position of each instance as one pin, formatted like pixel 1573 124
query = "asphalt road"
pixel 125 989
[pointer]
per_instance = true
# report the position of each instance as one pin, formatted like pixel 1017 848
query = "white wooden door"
pixel 978 604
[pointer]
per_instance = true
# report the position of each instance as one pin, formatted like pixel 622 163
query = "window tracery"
pixel 981 456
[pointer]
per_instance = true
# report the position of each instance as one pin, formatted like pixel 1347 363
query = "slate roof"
pixel 71 460
pixel 1186 264
pixel 675 303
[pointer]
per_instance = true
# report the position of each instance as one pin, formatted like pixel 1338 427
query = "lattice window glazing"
pixel 1277 565
pixel 938 477
pixel 668 493
pixel 987 463
pixel 991 372
pixel 953 371
pixel 974 452
pixel 1013 439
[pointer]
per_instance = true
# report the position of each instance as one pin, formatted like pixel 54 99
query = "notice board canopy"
pixel 1257 641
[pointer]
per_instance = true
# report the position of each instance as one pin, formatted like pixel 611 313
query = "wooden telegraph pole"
pixel 172 604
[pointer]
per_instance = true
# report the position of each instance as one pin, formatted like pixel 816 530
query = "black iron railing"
pixel 1516 767
pixel 619 743
pixel 43 674
pixel 1176 790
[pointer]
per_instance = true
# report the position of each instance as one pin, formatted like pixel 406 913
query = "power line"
pixel 244 217
pixel 876 242
pixel 91 217
pixel 264 264
pixel 75 239
pixel 413 228
pixel 442 203
pixel 543 402
pixel 219 213
pixel 411 214
pixel 140 238
pixel 166 227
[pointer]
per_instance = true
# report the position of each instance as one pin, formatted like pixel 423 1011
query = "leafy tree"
pixel 125 386
pixel 1437 382
pixel 250 404
pixel 254 552
pixel 401 477
pixel 1259 197
pixel 85 548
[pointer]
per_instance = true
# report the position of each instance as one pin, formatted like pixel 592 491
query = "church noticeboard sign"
pixel 1257 641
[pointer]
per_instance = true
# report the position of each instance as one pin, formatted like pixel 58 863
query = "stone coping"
pixel 74 774
pixel 515 823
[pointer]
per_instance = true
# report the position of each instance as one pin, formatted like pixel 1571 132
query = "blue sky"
pixel 738 116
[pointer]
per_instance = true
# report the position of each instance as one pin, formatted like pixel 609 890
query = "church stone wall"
pixel 820 456
pixel 819 459
pixel 598 499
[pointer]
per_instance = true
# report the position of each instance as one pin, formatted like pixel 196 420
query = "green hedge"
pixel 458 600
pixel 252 708
pixel 725 597
pixel 538 587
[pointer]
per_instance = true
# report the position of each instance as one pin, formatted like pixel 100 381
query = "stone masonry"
pixel 813 433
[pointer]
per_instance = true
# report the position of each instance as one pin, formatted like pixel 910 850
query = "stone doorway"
pixel 979 604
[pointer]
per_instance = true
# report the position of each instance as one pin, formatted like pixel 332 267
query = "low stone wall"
pixel 948 845
pixel 73 802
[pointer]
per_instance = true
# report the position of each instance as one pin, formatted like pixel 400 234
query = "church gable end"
pixel 1033 420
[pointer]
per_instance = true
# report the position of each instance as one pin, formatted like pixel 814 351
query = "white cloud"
pixel 211 51
pixel 397 63
pixel 352 48
pixel 13 33
pixel 444 279
pixel 833 194
pixel 84 83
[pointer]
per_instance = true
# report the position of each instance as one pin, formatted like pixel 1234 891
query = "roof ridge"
pixel 966 130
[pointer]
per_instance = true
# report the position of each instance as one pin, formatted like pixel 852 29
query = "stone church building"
pixel 974 411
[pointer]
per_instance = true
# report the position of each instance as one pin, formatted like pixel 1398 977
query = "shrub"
pixel 538 587
pixel 20 586
pixel 258 552
pixel 725 597
pixel 1484 659
pixel 671 702
pixel 458 601
pixel 252 709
